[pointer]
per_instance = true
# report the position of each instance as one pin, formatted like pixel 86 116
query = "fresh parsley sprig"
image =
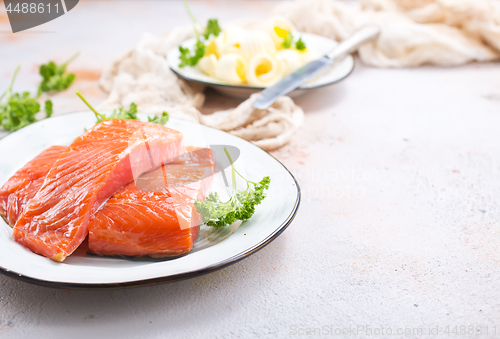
pixel 288 40
pixel 160 119
pixel 191 57
pixel 54 77
pixel 122 113
pixel 212 28
pixel 100 117
pixel 18 110
pixel 241 205
pixel 300 45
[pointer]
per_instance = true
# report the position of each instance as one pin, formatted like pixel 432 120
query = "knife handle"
pixel 350 44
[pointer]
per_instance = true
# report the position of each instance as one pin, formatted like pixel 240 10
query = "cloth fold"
pixel 413 33
pixel 143 76
pixel 269 129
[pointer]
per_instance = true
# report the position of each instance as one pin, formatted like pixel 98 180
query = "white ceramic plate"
pixel 214 248
pixel 321 45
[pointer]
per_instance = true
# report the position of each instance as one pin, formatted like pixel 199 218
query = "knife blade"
pixel 292 81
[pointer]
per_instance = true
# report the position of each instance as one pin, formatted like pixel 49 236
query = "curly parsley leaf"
pixel 212 28
pixel 185 56
pixel 18 110
pixel 48 108
pixel 189 58
pixel 160 119
pixel 288 40
pixel 54 77
pixel 241 205
pixel 300 45
pixel 122 113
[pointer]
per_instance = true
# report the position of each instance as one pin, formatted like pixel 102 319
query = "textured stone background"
pixel 398 226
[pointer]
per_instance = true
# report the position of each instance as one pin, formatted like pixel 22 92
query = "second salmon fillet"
pixel 95 166
pixel 155 216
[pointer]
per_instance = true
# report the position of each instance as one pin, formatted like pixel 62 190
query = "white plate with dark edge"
pixel 321 45
pixel 84 271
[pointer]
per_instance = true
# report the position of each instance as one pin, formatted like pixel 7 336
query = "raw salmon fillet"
pixel 25 183
pixel 95 166
pixel 191 167
pixel 154 216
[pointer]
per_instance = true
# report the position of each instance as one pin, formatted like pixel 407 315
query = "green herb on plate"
pixel 287 37
pixel 212 28
pixel 241 205
pixel 54 77
pixel 191 57
pixel 119 113
pixel 300 45
pixel 122 113
pixel 287 41
pixel 160 119
pixel 18 110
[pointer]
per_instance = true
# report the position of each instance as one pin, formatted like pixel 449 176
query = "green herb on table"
pixel 241 205
pixel 18 110
pixel 122 113
pixel 48 108
pixel 54 77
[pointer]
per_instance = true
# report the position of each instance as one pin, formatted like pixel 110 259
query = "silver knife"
pixel 268 96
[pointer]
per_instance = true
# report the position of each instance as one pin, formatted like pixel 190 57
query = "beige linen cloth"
pixel 143 76
pixel 413 33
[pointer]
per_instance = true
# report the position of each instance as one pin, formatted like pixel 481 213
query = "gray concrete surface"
pixel 398 227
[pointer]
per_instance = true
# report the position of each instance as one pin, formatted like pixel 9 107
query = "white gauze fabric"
pixel 142 76
pixel 269 129
pixel 413 32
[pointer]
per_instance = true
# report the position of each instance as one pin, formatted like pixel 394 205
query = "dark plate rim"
pixel 171 278
pixel 305 88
